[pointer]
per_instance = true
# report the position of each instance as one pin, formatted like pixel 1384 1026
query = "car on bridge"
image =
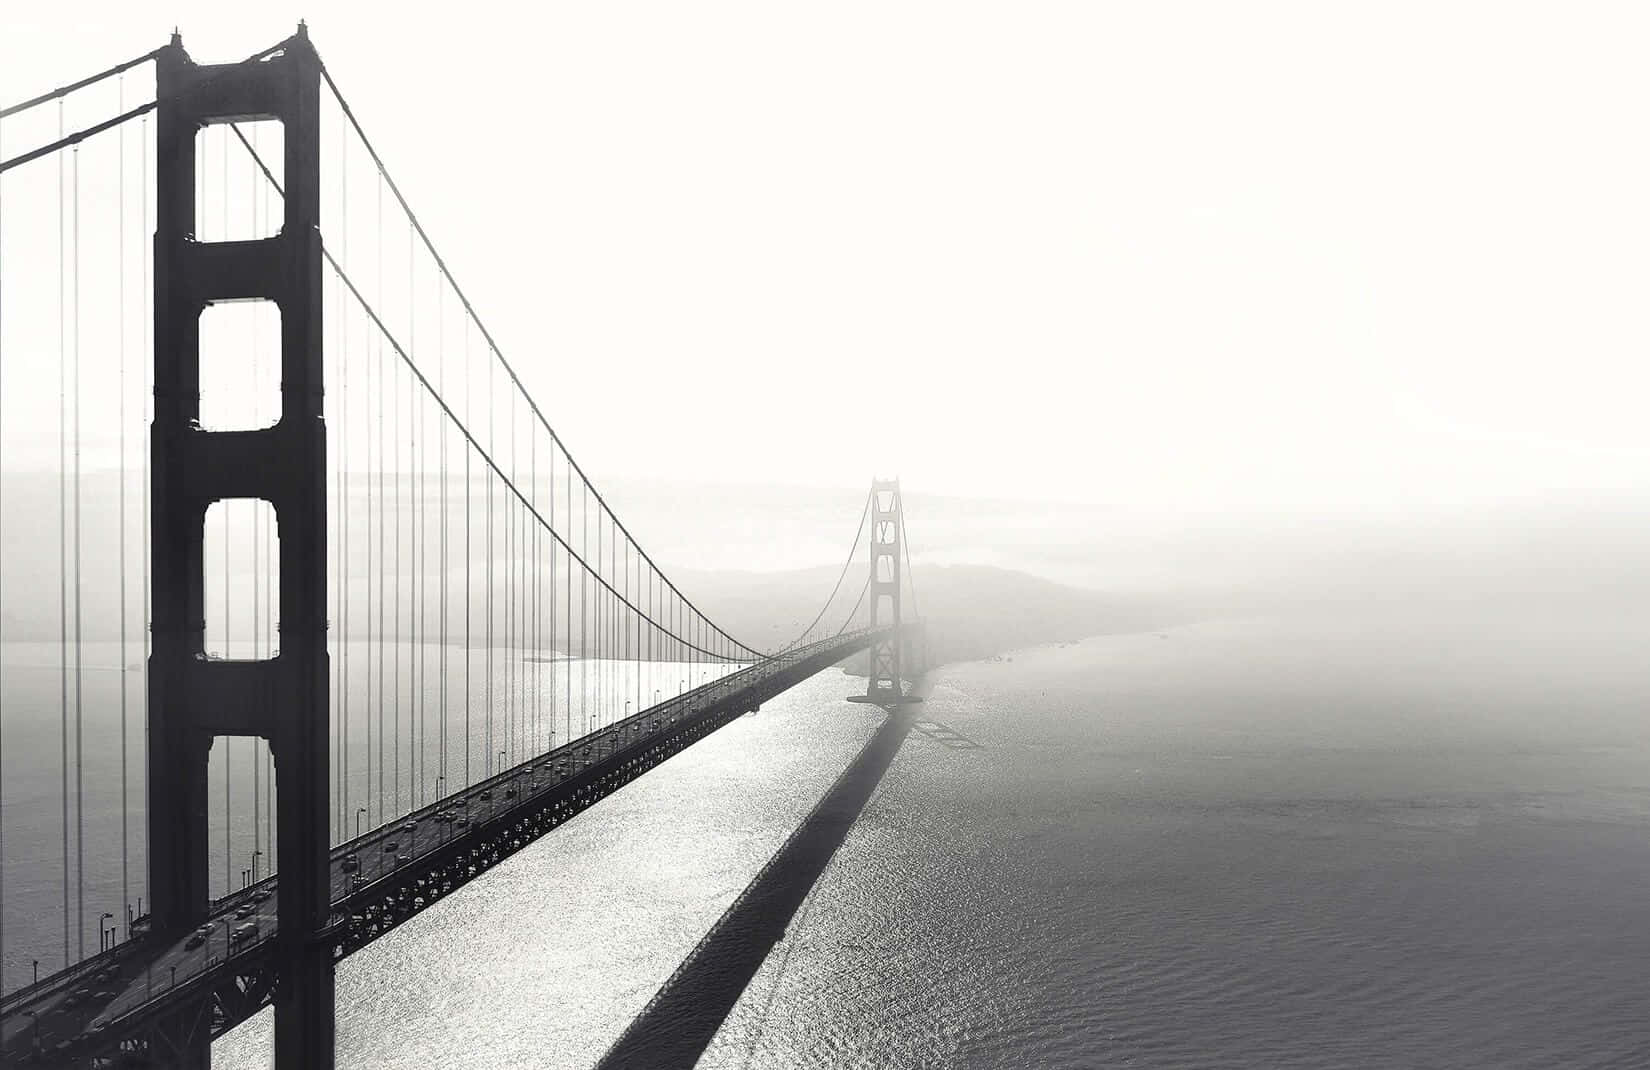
pixel 244 932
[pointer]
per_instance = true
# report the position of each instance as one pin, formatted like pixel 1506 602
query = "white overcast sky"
pixel 1313 253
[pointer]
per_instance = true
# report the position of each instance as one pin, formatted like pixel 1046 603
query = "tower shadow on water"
pixel 678 1023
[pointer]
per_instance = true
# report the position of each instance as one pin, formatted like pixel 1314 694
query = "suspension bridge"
pixel 317 617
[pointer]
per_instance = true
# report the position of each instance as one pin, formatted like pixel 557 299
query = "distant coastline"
pixel 972 612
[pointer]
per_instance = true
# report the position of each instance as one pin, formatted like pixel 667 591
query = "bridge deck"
pixel 379 879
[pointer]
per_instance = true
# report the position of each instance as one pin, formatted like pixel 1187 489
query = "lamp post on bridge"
pixel 359 810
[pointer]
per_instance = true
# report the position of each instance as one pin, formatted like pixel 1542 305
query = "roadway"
pixel 79 1004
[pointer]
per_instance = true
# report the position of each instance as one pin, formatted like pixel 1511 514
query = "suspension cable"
pixel 485 454
pixel 866 586
pixel 481 451
pixel 436 395
pixel 64 91
pixel 854 549
pixel 493 345
pixel 911 574
pixel 65 141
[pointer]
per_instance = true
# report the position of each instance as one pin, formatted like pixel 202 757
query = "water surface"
pixel 1406 841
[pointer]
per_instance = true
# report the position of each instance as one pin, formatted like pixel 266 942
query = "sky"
pixel 1151 254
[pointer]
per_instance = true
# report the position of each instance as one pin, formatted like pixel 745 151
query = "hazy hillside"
pixel 971 611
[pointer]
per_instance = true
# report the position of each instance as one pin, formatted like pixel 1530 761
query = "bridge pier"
pixel 283 699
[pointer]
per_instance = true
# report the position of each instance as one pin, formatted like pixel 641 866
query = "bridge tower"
pixel 283 699
pixel 883 686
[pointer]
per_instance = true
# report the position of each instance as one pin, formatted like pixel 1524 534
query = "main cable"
pixel 493 345
pixel 66 141
pixel 386 180
pixel 485 453
pixel 857 603
pixel 854 549
pixel 55 94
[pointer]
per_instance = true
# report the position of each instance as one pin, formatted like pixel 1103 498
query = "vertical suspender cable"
pixel 605 629
pixel 567 639
pixel 143 173
pixel 398 633
pixel 629 655
pixel 547 636
pixel 441 509
pixel 415 422
pixel 228 543
pixel 550 466
pixel 533 569
pixel 381 511
pixel 344 543
pixel 372 388
pixel 120 272
pixel 262 577
pixel 2 581
pixel 469 598
pixel 584 614
pixel 487 631
pixel 257 550
pixel 509 601
pixel 63 510
pixel 79 671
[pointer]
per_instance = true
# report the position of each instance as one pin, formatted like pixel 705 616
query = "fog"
pixel 1265 382
pixel 1181 256
pixel 1192 310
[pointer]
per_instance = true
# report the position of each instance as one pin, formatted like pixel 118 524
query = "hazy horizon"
pixel 1265 387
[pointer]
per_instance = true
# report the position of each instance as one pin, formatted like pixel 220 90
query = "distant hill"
pixel 971 611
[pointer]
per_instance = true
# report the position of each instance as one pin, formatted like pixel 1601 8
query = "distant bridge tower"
pixel 883 686
pixel 193 699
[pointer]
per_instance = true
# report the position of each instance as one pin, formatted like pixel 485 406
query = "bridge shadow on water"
pixel 677 1025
